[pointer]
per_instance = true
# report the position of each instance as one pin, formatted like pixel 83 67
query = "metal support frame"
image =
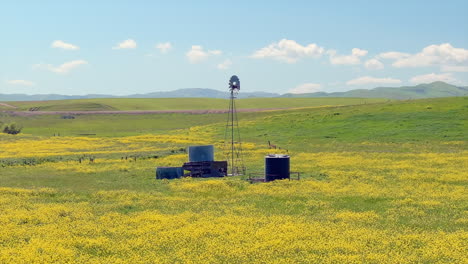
pixel 232 138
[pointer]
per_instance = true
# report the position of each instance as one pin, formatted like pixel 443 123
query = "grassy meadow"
pixel 129 104
pixel 382 182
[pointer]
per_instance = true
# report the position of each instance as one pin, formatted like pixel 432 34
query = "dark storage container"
pixel 201 153
pixel 169 172
pixel 276 167
pixel 206 169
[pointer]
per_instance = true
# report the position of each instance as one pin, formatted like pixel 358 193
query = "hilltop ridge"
pixel 431 90
pixel 420 91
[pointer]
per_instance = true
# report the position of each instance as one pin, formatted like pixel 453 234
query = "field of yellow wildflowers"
pixel 361 199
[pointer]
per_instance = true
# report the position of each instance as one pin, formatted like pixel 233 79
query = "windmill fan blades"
pixel 234 82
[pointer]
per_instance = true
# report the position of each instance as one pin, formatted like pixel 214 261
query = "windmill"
pixel 232 139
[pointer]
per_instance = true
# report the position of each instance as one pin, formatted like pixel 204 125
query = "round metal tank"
pixel 201 153
pixel 169 172
pixel 276 167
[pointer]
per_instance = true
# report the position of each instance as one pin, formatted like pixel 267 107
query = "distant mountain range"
pixel 200 93
pixel 435 89
pixel 180 93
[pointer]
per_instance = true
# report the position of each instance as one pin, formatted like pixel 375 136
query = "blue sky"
pixel 127 47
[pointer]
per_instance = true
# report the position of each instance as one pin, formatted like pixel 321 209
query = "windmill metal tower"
pixel 232 139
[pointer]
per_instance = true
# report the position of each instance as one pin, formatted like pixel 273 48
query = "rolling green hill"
pixel 431 90
pixel 435 89
pixel 437 119
pixel 127 104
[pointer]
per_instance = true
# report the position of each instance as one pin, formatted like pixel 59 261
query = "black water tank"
pixel 276 167
pixel 201 153
pixel 169 172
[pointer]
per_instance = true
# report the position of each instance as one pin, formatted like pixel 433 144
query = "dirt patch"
pixel 7 105
pixel 134 112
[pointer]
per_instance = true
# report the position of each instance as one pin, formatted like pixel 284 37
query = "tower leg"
pixel 232 140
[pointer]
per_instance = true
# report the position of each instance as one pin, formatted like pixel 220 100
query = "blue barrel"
pixel 169 172
pixel 276 167
pixel 201 153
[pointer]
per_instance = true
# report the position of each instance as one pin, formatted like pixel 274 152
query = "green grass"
pixel 419 121
pixel 439 119
pixel 183 103
pixel 401 126
pixel 110 125
pixel 387 177
pixel 2 107
pixel 138 179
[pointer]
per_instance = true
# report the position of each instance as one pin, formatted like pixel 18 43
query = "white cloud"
pixel 288 51
pixel 372 80
pixel 225 65
pixel 440 55
pixel 215 52
pixel 447 68
pixel 126 44
pixel 432 77
pixel 374 64
pixel 353 58
pixel 20 82
pixel 196 54
pixel 306 88
pixel 63 45
pixel 393 55
pixel 64 68
pixel 164 47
